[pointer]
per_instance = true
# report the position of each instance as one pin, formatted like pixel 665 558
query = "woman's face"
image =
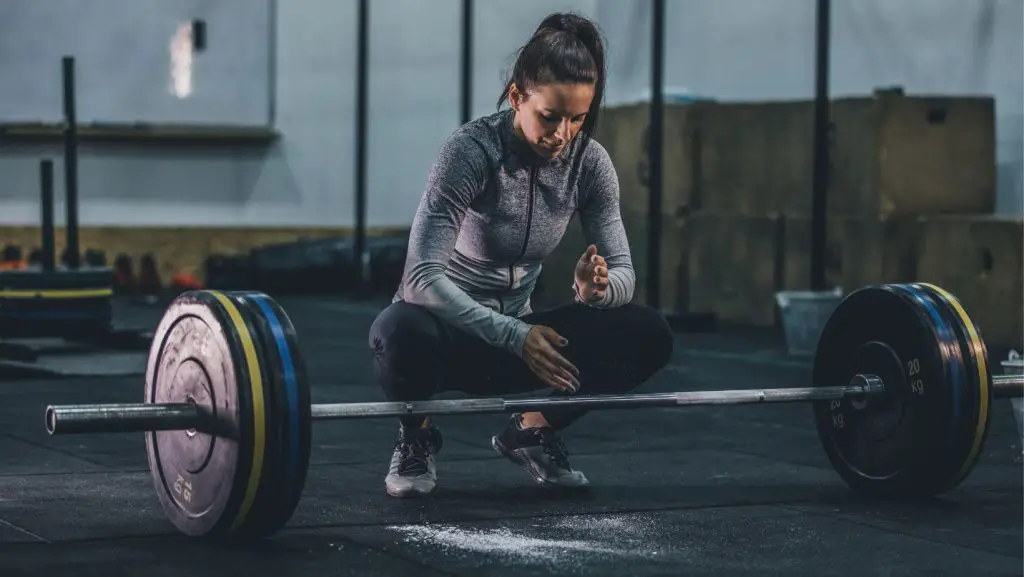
pixel 551 115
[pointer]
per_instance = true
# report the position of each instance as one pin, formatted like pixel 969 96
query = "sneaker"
pixel 541 452
pixel 413 472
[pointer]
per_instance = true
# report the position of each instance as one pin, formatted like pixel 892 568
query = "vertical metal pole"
pixel 272 65
pixel 71 162
pixel 654 155
pixel 46 191
pixel 819 209
pixel 361 257
pixel 467 61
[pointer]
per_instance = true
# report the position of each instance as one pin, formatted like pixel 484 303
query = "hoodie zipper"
pixel 526 237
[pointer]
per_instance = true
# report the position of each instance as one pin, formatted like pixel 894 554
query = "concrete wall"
pixel 727 49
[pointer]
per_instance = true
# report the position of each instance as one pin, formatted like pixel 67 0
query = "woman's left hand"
pixel 591 276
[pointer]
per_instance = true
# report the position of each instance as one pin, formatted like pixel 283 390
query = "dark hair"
pixel 566 47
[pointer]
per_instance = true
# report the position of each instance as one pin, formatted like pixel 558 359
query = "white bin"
pixel 1014 365
pixel 804 314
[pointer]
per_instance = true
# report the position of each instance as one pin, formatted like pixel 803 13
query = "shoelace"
pixel 413 456
pixel 555 449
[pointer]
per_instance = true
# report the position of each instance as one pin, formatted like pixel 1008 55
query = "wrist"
pixel 578 298
pixel 521 331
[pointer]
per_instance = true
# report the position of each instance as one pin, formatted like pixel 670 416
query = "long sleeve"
pixel 458 175
pixel 601 218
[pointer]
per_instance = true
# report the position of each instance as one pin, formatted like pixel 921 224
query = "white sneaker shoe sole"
pixel 404 487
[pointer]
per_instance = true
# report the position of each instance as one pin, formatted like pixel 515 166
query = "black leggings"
pixel 417 354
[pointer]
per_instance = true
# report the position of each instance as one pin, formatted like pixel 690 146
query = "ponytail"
pixel 565 47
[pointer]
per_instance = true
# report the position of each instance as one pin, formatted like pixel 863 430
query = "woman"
pixel 497 202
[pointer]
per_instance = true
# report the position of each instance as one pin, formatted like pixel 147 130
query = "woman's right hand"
pixel 546 362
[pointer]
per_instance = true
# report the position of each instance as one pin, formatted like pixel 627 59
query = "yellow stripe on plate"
pixel 258 414
pixel 56 294
pixel 983 381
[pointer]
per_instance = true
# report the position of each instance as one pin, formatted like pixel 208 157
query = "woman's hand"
pixel 547 363
pixel 591 276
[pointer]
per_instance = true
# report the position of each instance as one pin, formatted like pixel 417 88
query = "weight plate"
pixel 259 517
pixel 203 352
pixel 979 378
pixel 885 445
pixel 289 403
pixel 65 303
pixel 959 425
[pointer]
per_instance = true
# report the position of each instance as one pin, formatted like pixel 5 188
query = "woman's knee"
pixel 653 337
pixel 639 343
pixel 640 332
pixel 404 337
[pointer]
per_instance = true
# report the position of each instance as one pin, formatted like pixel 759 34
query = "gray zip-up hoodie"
pixel 491 212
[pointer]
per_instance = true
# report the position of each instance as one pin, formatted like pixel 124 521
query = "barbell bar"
pixel 142 417
pixel 227 411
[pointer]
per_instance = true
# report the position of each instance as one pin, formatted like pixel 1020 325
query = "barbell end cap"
pixel 51 420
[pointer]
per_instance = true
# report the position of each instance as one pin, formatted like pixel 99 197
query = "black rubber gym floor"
pixel 735 490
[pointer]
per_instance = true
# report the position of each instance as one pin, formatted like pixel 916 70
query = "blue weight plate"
pixel 976 387
pixel 289 407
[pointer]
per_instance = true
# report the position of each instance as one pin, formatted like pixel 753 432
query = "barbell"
pixel 901 404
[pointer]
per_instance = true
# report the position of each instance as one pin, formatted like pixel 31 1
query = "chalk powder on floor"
pixel 543 541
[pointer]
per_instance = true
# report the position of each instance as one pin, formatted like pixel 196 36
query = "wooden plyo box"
pixel 890 155
pixel 980 259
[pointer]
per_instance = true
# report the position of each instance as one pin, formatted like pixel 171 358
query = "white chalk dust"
pixel 560 540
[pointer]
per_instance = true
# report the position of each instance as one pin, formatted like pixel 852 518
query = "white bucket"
pixel 1014 365
pixel 804 314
